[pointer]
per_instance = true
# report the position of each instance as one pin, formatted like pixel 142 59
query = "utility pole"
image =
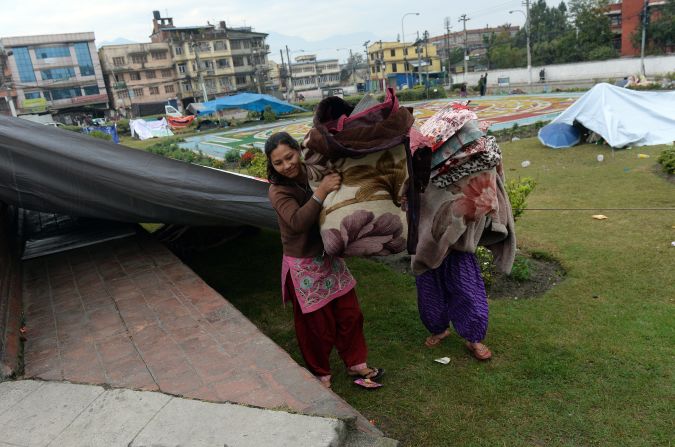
pixel 447 50
pixel 645 20
pixel 426 56
pixel 5 85
pixel 529 53
pixel 195 47
pixel 383 65
pixel 464 18
pixel 282 73
pixel 365 50
pixel 419 59
pixel 351 59
pixel 290 70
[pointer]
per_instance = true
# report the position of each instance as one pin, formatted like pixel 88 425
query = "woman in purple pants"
pixel 455 293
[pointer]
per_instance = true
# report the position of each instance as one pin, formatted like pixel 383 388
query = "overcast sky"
pixel 311 20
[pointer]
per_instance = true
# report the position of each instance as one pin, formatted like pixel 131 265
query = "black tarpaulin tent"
pixel 47 169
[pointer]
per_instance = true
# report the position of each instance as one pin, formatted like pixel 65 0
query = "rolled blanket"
pixel 445 123
pixel 369 150
pixel 482 155
pixel 469 133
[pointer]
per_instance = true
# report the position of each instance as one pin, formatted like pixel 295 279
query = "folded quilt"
pixel 370 151
pixel 473 211
pixel 445 123
pixel 485 155
pixel 469 133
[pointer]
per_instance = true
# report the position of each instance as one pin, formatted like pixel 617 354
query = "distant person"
pixel 321 288
pixel 482 82
pixel 542 75
pixel 462 90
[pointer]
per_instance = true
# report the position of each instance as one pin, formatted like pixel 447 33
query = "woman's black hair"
pixel 272 143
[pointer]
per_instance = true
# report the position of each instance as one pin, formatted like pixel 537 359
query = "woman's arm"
pixel 298 218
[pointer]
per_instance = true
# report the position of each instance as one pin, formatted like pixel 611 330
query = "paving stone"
pixel 11 393
pixel 113 419
pixel 201 424
pixel 58 403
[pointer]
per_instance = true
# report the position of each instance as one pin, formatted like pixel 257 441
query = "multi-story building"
pixel 214 60
pixel 309 73
pixel 139 77
pixel 59 73
pixel 625 17
pixel 7 90
pixel 399 64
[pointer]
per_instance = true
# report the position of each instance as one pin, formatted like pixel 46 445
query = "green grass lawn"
pixel 589 363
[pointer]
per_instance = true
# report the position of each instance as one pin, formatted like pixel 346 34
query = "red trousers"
pixel 339 323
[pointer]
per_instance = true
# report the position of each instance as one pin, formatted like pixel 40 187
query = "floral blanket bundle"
pixel 369 149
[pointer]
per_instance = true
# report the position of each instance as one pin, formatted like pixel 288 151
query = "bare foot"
pixel 479 350
pixel 434 340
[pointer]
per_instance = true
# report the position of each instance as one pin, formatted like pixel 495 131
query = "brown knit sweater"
pixel 298 219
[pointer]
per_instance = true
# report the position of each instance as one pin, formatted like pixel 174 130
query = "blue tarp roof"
pixel 249 101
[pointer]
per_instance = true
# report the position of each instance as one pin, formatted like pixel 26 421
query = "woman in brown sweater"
pixel 321 288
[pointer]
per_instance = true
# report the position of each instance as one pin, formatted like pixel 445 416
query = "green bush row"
pixel 667 160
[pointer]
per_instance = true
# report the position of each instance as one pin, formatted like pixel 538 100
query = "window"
pixel 405 51
pixel 138 91
pixel 238 61
pixel 372 69
pixel 117 61
pixel 47 52
pixel 154 90
pixel 55 74
pixel 150 74
pixel 24 64
pixel 210 84
pixel 168 89
pixel 139 58
pixel 219 45
pixel 181 68
pixel 84 59
pixel 235 44
pixel 158 55
pixel 64 93
pixel 187 86
pixel 393 68
pixel 167 73
pixel 224 81
pixel 32 95
pixel 177 50
pixel 241 80
pixel 119 77
pixel 392 53
pixel 134 76
pixel 223 63
pixel 90 90
pixel 122 94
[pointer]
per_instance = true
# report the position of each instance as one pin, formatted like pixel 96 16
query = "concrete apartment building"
pixel 7 90
pixel 625 17
pixel 213 60
pixel 309 73
pixel 141 78
pixel 59 73
pixel 396 64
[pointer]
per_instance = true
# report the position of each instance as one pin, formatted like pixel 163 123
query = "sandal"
pixel 480 352
pixel 434 340
pixel 370 373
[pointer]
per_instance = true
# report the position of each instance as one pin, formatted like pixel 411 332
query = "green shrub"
pixel 123 127
pixel 71 128
pixel 485 258
pixel 233 155
pixel 667 160
pixel 518 191
pixel 268 115
pixel 258 166
pixel 521 270
pixel 101 135
pixel 170 149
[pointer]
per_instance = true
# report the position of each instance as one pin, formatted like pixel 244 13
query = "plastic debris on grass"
pixel 643 156
pixel 599 216
pixel 600 157
pixel 443 360
pixel 525 163
pixel 367 383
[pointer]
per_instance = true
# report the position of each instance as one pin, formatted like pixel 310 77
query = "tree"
pixel 502 52
pixel 592 28
pixel 660 29
pixel 354 62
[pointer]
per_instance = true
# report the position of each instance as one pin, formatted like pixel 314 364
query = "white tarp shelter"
pixel 149 129
pixel 625 117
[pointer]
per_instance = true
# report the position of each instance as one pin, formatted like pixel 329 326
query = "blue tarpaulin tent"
pixel 247 101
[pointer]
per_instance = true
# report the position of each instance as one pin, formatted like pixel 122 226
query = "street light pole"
pixel 405 59
pixel 527 35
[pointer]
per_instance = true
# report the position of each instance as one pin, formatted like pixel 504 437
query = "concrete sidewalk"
pixel 36 413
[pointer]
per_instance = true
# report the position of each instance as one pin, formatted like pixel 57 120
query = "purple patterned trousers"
pixel 454 293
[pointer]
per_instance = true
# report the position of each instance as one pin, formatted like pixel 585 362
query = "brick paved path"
pixel 129 314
